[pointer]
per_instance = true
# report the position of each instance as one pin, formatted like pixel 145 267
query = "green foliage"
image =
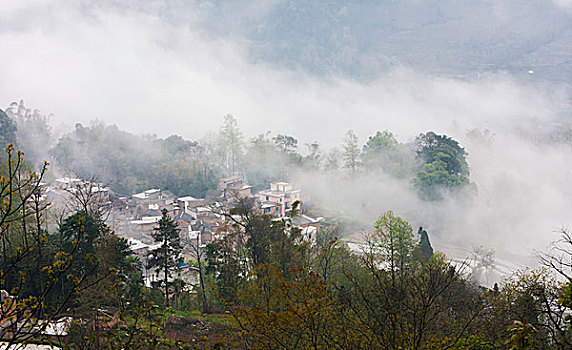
pixel 383 152
pixel 101 259
pixel 351 152
pixel 166 257
pixel 432 147
pixel 424 245
pixel 444 166
pixel 393 242
pixel 254 240
pixel 264 162
pixel 226 263
pixel 285 143
pixel 131 163
pixel 380 142
pixel 124 287
pixel 565 299
pixel 84 230
pixel 523 336
pixel 33 131
pixel 45 274
pixel 231 144
pixel 142 328
pixel 7 130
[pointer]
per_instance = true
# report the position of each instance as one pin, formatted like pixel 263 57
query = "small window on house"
pixel 280 200
pixel 266 197
pixel 287 195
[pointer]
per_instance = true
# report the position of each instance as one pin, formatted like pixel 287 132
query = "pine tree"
pixel 425 245
pixel 168 254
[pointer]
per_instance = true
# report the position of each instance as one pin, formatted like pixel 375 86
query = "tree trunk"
pixel 201 280
pixel 166 273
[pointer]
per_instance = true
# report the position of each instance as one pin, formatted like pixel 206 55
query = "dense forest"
pixel 129 163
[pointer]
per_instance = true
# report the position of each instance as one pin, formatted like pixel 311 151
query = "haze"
pixel 315 70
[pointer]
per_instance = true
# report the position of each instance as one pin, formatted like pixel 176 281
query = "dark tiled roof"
pixel 152 212
pixel 185 216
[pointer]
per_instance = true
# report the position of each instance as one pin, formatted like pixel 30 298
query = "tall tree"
pixel 231 143
pixel 7 130
pixel 168 254
pixel 264 162
pixel 381 142
pixel 285 143
pixel 33 131
pixel 332 159
pixel 383 151
pixel 424 245
pixel 444 165
pixel 33 268
pixel 394 242
pixel 314 157
pixel 351 152
pixel 196 249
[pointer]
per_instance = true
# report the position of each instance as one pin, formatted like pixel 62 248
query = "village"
pixel 199 220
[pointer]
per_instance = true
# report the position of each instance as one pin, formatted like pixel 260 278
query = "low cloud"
pixel 151 75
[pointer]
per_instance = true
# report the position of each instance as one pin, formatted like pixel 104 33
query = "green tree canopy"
pixel 166 256
pixel 444 165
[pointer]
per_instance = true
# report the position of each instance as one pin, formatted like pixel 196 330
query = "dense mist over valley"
pixel 353 174
pixel 178 69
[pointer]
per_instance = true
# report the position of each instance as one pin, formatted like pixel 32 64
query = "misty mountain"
pixel 457 38
pixel 364 39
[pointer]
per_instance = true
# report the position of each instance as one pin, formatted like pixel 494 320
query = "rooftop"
pixel 272 193
pixel 147 193
pixel 146 220
pixel 68 180
pixel 135 244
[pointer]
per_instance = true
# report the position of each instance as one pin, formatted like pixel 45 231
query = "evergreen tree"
pixel 424 244
pixel 85 230
pixel 168 254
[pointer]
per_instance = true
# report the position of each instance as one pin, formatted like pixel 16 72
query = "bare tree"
pixel 557 303
pixel 89 197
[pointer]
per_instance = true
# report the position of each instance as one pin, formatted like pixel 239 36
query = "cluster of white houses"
pixel 200 220
pixel 203 219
